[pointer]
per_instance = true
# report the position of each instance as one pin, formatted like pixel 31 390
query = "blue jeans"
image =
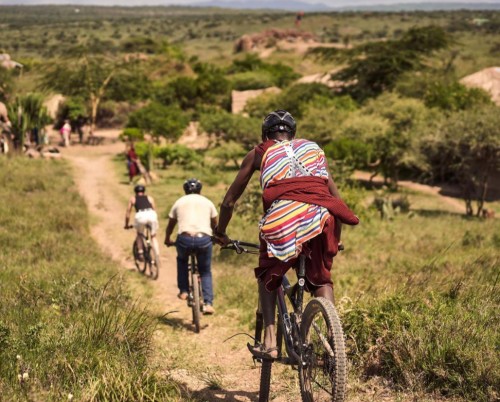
pixel 203 248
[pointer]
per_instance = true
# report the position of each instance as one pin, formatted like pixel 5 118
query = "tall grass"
pixel 67 323
pixel 419 298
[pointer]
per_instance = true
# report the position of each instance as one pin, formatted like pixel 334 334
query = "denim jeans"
pixel 203 248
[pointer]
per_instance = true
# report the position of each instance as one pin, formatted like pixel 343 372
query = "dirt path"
pixel 199 362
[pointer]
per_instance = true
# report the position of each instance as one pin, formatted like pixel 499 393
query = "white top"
pixel 193 213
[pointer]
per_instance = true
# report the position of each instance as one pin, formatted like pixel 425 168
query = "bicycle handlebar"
pixel 242 247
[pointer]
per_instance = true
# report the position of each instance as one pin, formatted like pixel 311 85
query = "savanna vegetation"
pixel 417 287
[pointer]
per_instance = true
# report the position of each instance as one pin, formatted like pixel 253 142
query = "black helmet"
pixel 192 186
pixel 279 120
pixel 139 189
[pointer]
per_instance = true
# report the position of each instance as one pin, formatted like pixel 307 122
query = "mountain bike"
pixel 313 338
pixel 148 262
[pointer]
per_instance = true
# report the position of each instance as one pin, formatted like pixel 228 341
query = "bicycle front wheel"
pixel 196 306
pixel 323 375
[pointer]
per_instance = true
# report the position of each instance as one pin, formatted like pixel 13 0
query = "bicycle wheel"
pixel 140 265
pixel 154 263
pixel 265 380
pixel 323 376
pixel 196 306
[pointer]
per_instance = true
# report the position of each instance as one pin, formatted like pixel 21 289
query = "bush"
pixel 132 134
pixel 251 80
pixel 160 121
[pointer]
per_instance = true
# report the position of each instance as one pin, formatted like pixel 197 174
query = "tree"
pixel 231 127
pixel 375 67
pixel 466 150
pixel 87 77
pixel 158 120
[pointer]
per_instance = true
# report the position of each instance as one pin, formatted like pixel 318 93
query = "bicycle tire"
pixel 265 380
pixel 324 377
pixel 154 265
pixel 196 306
pixel 140 265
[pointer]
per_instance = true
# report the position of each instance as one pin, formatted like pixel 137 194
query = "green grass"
pixel 68 324
pixel 418 294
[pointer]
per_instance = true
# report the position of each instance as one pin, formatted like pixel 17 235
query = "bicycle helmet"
pixel 139 189
pixel 279 120
pixel 192 186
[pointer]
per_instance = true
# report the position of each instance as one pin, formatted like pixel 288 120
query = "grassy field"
pixel 68 324
pixel 418 294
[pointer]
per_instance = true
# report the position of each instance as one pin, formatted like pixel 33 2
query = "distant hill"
pixel 290 5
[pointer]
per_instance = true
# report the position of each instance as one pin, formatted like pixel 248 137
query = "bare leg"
pixel 268 304
pixel 325 291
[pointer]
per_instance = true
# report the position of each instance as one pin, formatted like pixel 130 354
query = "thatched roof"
pixel 487 79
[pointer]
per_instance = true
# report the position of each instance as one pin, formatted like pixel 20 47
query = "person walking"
pixel 65 133
pixel 196 217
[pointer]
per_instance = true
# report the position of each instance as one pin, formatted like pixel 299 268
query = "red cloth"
pixel 309 190
pixel 320 251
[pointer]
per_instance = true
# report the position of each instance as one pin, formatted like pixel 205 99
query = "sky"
pixel 331 3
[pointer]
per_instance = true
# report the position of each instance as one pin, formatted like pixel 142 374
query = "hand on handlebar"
pixel 169 242
pixel 221 239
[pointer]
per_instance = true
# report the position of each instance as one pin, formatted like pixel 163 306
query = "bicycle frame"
pixel 289 323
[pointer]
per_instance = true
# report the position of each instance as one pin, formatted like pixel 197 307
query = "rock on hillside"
pixel 240 98
pixel 487 79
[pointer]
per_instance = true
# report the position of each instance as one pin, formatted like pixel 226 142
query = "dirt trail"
pixel 226 365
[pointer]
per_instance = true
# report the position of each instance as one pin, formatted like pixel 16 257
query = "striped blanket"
pixel 288 224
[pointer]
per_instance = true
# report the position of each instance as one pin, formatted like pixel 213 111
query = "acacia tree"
pixel 375 67
pixel 466 150
pixel 87 77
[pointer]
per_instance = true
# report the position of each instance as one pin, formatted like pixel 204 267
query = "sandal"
pixel 183 295
pixel 260 352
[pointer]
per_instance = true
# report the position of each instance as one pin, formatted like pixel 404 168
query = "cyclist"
pixel 196 217
pixel 145 214
pixel 302 212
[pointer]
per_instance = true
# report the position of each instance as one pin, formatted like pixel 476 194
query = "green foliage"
pixel 466 150
pixel 6 83
pixel 210 87
pixel 252 70
pixel 160 121
pixel 132 134
pixel 231 127
pixel 130 84
pixel 226 152
pixel 356 152
pixel 72 109
pixel 66 327
pixel 251 80
pixel 295 99
pixel 375 67
pixel 176 153
pixel 25 114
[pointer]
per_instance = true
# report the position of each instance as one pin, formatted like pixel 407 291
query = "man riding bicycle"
pixel 145 214
pixel 196 217
pixel 302 213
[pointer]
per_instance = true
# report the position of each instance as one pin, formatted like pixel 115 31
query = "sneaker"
pixel 208 309
pixel 182 295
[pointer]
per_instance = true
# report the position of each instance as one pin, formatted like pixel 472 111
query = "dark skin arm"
pixel 170 228
pixel 250 164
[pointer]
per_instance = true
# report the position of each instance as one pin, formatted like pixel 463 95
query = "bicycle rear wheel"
pixel 196 306
pixel 323 378
pixel 140 265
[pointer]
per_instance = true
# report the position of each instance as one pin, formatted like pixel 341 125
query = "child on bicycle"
pixel 303 212
pixel 145 214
